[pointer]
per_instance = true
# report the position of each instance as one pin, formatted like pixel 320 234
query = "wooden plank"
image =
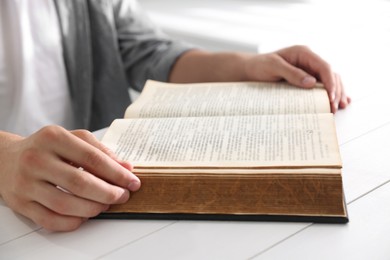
pixel 366 236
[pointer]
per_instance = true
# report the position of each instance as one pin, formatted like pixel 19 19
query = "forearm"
pixel 202 66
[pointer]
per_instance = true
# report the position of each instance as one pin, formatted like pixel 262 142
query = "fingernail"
pixel 124 196
pixel 308 81
pixel 335 107
pixel 134 185
pixel 343 103
pixel 332 96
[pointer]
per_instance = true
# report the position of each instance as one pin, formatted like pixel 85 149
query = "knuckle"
pixel 51 133
pixel 113 196
pixel 90 209
pixel 121 178
pixel 53 223
pixel 78 182
pixel 301 48
pixel 327 67
pixel 84 134
pixel 107 151
pixel 93 158
pixel 73 224
pixel 95 210
pixel 273 60
pixel 47 221
pixel 58 205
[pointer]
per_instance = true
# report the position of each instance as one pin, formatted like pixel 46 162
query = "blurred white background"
pixel 353 35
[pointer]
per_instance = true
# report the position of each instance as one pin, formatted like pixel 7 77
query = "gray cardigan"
pixel 110 45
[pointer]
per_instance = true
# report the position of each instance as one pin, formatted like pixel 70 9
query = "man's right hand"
pixel 59 178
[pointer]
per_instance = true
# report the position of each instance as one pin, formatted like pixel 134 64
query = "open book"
pixel 248 150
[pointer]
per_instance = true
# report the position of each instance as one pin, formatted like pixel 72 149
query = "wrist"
pixel 203 66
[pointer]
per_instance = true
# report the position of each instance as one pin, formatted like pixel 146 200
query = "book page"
pixel 330 172
pixel 303 140
pixel 227 99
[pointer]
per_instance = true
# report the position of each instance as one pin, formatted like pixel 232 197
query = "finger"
pixel 345 100
pixel 338 92
pixel 327 77
pixel 294 75
pixel 91 139
pixel 309 61
pixel 73 149
pixel 324 72
pixel 49 219
pixel 81 183
pixel 48 167
pixel 127 165
pixel 65 203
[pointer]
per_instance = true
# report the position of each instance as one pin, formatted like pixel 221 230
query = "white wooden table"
pixel 354 37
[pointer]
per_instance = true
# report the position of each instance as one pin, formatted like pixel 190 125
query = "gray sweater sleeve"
pixel 146 52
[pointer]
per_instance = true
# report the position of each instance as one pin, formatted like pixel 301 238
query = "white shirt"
pixel 33 85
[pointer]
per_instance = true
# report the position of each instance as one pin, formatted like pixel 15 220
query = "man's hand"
pixel 301 67
pixel 59 178
pixel 298 65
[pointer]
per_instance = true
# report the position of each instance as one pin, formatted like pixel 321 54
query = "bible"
pixel 230 151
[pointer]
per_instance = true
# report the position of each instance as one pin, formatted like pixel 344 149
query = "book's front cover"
pixel 341 219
